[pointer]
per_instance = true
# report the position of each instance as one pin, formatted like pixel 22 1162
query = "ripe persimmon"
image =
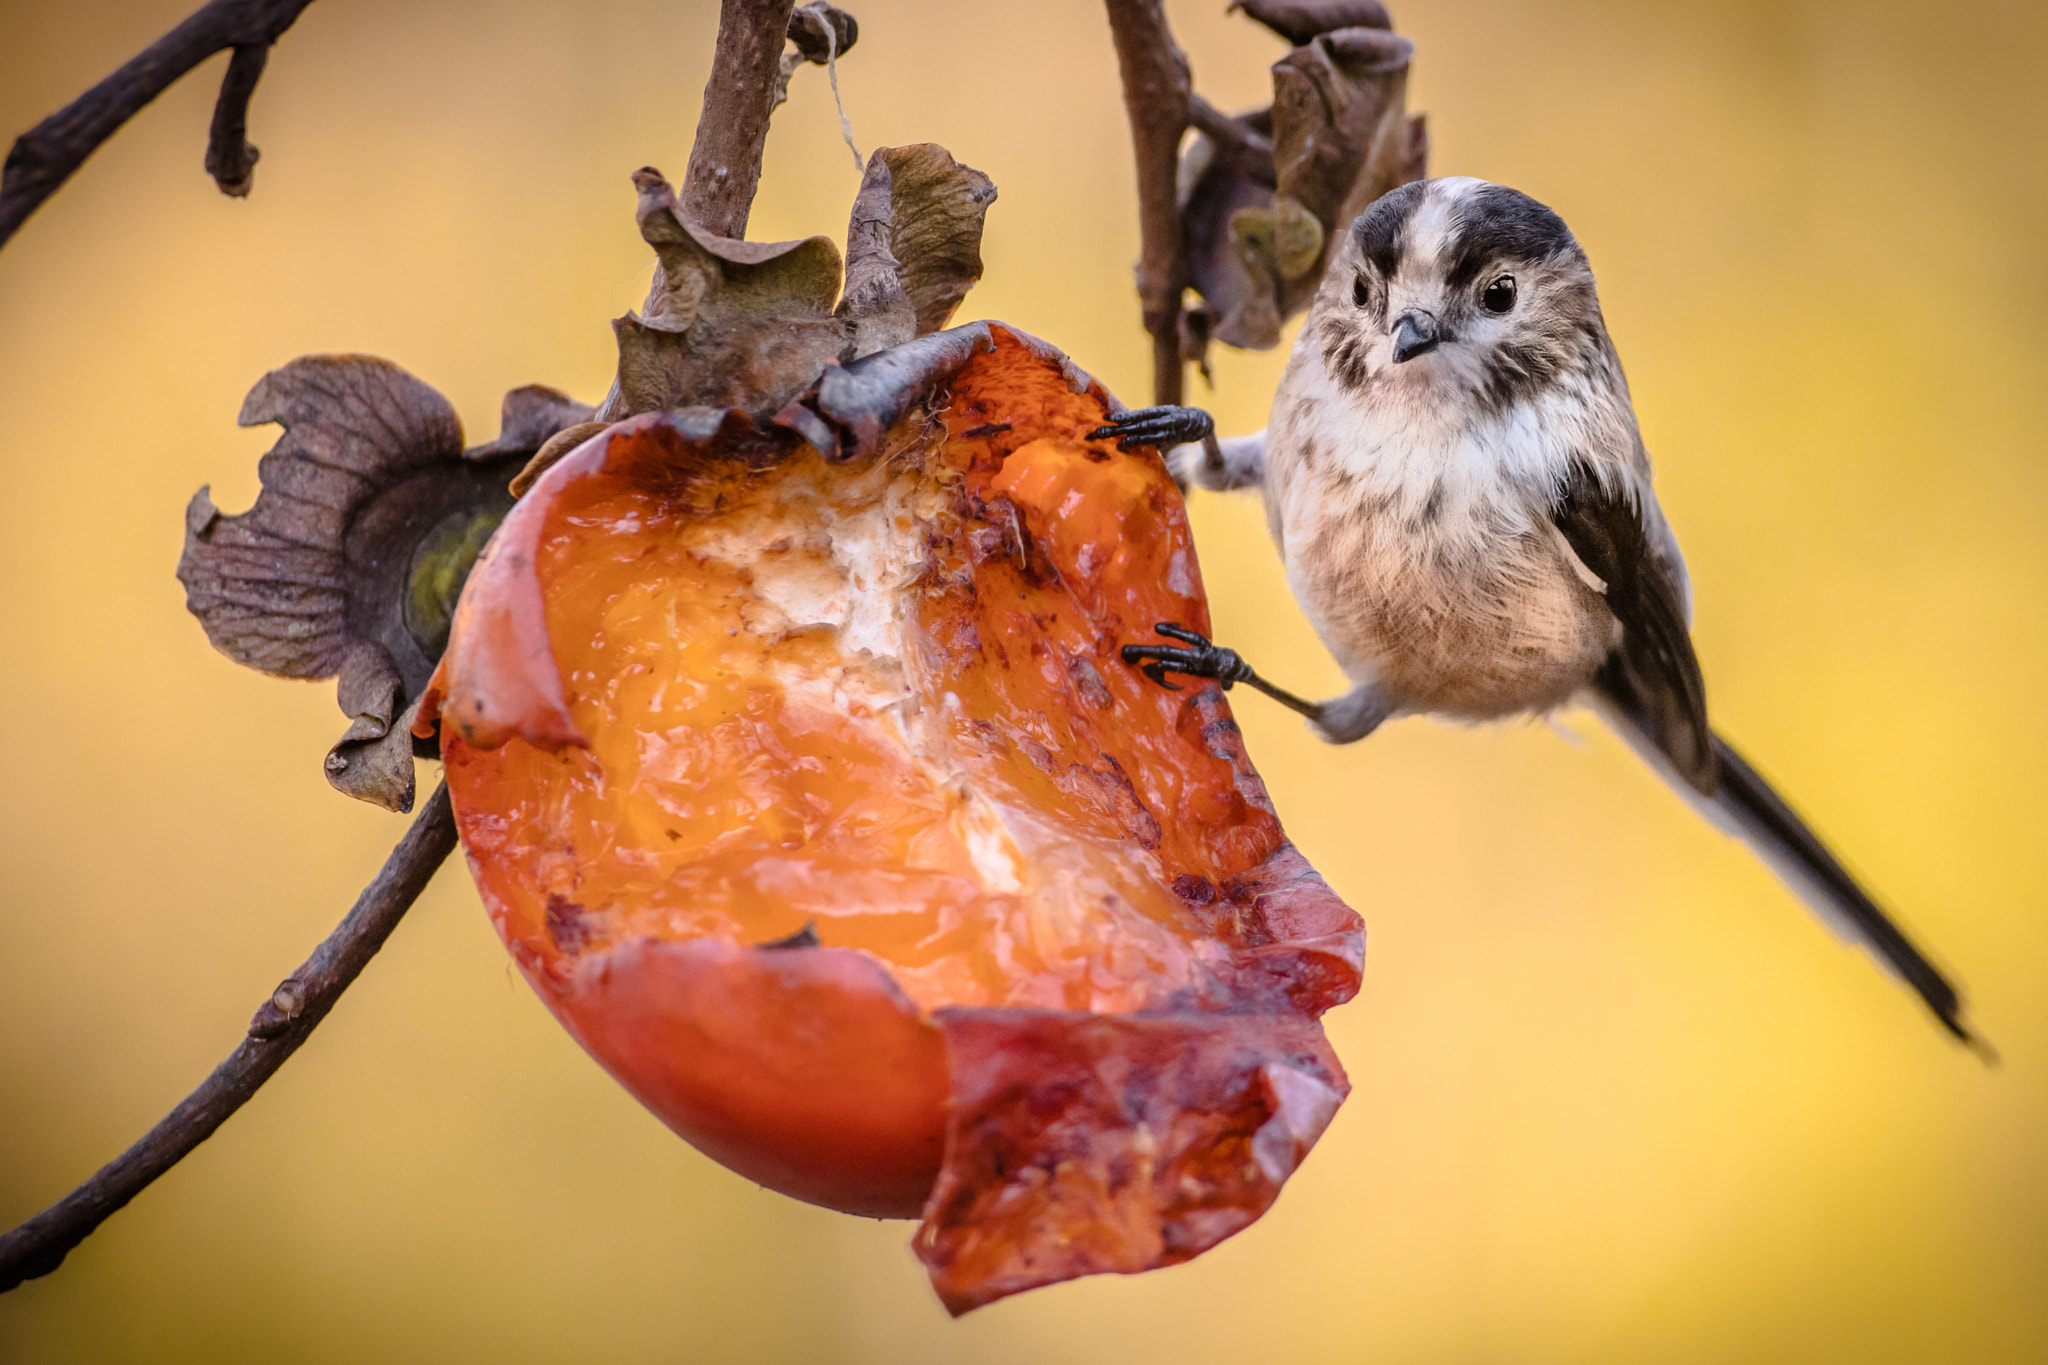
pixel 807 787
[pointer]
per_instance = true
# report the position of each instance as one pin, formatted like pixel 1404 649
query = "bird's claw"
pixel 1156 671
pixel 1202 658
pixel 1161 428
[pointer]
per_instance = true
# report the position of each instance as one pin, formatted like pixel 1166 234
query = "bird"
pixel 1455 478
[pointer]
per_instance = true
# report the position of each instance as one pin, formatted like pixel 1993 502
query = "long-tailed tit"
pixel 1454 477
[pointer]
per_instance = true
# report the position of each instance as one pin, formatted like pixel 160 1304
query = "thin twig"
pixel 230 156
pixel 291 1014
pixel 725 159
pixel 1157 98
pixel 44 157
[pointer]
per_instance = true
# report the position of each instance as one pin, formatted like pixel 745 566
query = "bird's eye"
pixel 1499 296
pixel 1361 292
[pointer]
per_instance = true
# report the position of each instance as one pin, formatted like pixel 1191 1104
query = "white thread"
pixel 832 72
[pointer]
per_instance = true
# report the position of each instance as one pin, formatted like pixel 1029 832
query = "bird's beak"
pixel 1414 334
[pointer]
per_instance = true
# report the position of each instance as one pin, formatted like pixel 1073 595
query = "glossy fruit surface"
pixel 809 790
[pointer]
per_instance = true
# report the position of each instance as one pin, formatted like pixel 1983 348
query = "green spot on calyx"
pixel 440 566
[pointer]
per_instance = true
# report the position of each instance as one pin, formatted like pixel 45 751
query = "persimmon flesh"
pixel 812 795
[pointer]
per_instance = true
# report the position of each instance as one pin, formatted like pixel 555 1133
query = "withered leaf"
pixel 370 514
pixel 913 246
pixel 372 761
pixel 269 585
pixel 751 326
pixel 727 323
pixel 1340 138
pixel 937 209
pixel 551 450
pixel 530 417
pixel 875 303
pixel 1241 302
pixel 869 397
pixel 1299 21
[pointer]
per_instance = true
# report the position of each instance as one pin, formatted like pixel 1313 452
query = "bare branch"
pixel 286 1020
pixel 725 160
pixel 230 156
pixel 44 157
pixel 1157 98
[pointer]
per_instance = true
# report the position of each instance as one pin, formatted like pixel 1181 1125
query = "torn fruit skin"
pixel 698 696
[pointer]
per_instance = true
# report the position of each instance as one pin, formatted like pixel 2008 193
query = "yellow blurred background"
pixel 1618 1097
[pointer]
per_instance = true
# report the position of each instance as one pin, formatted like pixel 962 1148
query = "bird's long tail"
pixel 1760 816
pixel 1745 805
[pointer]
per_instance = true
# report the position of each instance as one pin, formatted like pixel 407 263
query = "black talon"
pixel 1155 671
pixel 1204 660
pixel 1160 427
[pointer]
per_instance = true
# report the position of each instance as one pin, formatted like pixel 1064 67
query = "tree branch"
pixel 44 157
pixel 725 160
pixel 230 156
pixel 291 1014
pixel 1157 98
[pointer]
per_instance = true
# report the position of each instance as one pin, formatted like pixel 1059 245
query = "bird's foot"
pixel 1200 658
pixel 1162 428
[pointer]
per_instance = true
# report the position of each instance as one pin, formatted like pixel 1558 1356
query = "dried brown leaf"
pixel 1241 302
pixel 727 323
pixel 372 761
pixel 913 246
pixel 1340 138
pixel 1299 21
pixel 821 33
pixel 269 585
pixel 868 398
pixel 530 417
pixel 551 450
pixel 939 206
pixel 875 304
pixel 1340 131
pixel 370 515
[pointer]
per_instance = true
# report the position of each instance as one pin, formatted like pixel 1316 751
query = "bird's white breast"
pixel 1416 534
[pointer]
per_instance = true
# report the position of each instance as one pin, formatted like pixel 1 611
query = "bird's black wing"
pixel 1653 677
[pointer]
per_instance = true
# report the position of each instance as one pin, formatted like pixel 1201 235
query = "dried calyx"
pixel 742 332
pixel 731 324
pixel 372 512
pixel 1263 195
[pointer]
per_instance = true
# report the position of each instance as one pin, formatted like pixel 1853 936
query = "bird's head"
pixel 1463 294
